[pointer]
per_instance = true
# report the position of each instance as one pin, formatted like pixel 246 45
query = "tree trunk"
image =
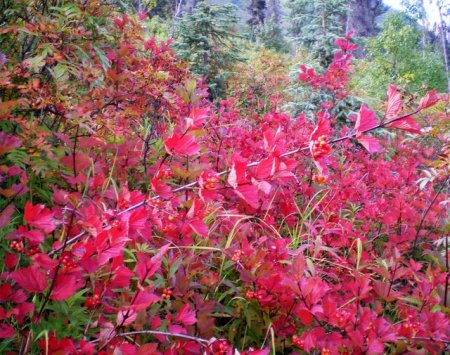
pixel 361 17
pixel 444 33
pixel 274 12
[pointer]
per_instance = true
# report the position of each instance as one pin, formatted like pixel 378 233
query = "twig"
pixel 158 332
pixel 225 172
pixel 426 213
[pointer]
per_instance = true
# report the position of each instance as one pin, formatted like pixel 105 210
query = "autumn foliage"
pixel 138 217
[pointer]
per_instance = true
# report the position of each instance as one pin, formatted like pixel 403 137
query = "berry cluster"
pixel 154 202
pixel 320 147
pixel 164 174
pixel 93 301
pixel 220 347
pixel 342 318
pixel 208 180
pixel 237 256
pixel 410 328
pixel 68 261
pixel 33 250
pixel 16 246
pixel 167 294
pixel 296 341
pixel 255 295
pixel 319 178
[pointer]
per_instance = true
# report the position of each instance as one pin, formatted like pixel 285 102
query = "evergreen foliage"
pixel 315 25
pixel 207 40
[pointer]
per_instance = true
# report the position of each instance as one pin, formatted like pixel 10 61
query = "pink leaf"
pixel 65 286
pixel 8 143
pixel 125 318
pixel 44 261
pixel 6 331
pixel 142 15
pixel 263 186
pixel 428 100
pixel 370 143
pixel 30 278
pixel 394 103
pixel 266 168
pixel 249 193
pixel 82 162
pixel 143 300
pixel 34 236
pixel 406 124
pixel 196 118
pixel 199 227
pixel 40 217
pixel 366 119
pixel 237 172
pixel 186 316
pixel 345 44
pixel 181 144
pixel 146 268
pixel 322 128
pixel 5 215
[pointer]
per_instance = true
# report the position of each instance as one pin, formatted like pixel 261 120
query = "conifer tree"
pixel 316 24
pixel 206 39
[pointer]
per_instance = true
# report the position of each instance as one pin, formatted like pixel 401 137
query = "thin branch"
pixel 416 238
pixel 225 172
pixel 158 332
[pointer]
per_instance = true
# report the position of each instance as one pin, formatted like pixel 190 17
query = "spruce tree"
pixel 315 25
pixel 206 39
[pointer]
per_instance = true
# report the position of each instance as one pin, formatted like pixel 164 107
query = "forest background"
pixel 245 177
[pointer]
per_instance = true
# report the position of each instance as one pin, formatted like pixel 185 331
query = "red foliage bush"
pixel 177 226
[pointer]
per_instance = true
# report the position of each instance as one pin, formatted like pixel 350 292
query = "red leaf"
pixel 125 318
pixel 305 316
pixel 34 236
pixel 270 139
pixel 428 100
pixel 161 188
pixel 10 260
pixel 345 44
pixel 6 331
pixel 266 168
pixel 143 300
pixel 65 286
pixel 181 144
pixel 199 227
pixel 44 261
pixel 237 172
pixel 5 215
pixel 122 277
pixel 366 119
pixel 146 268
pixel 8 143
pixel 40 217
pixel 394 103
pixel 138 220
pixel 263 186
pixel 30 278
pixel 82 162
pixel 370 143
pixel 186 316
pixel 249 193
pixel 196 118
pixel 406 124
pixel 142 15
pixel 322 128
